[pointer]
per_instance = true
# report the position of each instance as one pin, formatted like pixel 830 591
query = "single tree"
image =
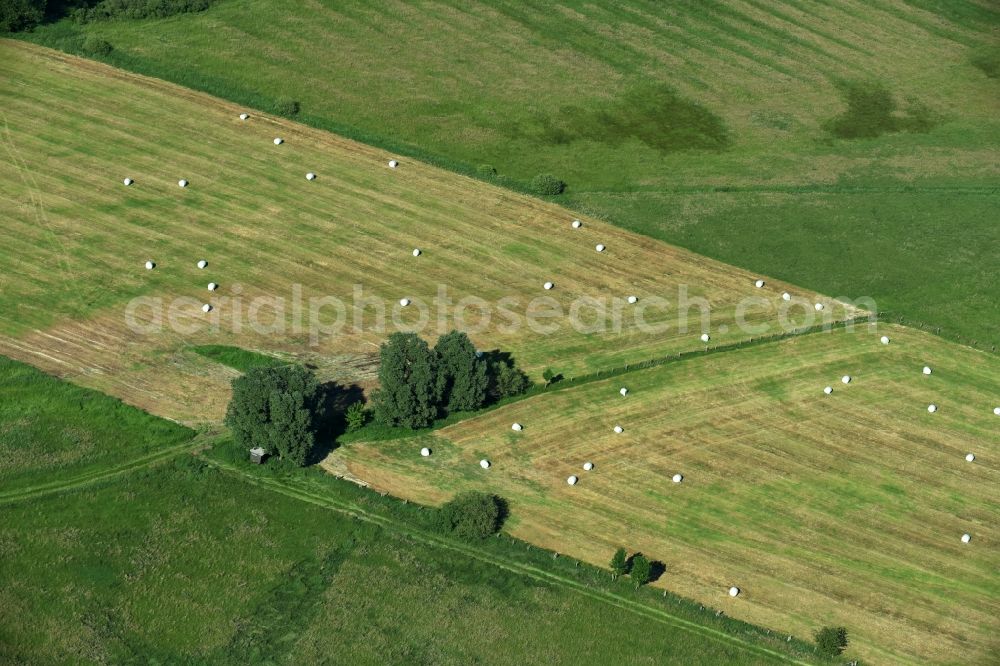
pixel 510 380
pixel 619 562
pixel 548 375
pixel 278 409
pixel 472 515
pixel 462 378
pixel 831 641
pixel 642 570
pixel 356 416
pixel 409 392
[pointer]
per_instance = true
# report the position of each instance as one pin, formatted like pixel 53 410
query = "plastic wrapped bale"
pixel 425 452
pixel 393 164
pixel 846 379
pixel 677 478
pixel 759 284
pixel 996 410
pixel 202 264
pixel 600 247
pixel 828 390
pixel 416 252
pixel 547 286
pixel 404 302
pixel 484 463
pixel 310 176
pixel 182 183
pixel 970 457
pixel 212 286
pixel 244 116
pixel 734 591
pixel 150 265
pixel 786 296
pixel 587 466
pixel 278 141
pixel 128 181
pixel 966 538
pixel 572 480
pixel 932 408
pixel 705 337
pixel 633 299
pixel 517 427
pixel 927 370
pixel 619 429
pixel 818 306
pixel 885 339
pixel 206 308
pixel 577 224
pixel 623 391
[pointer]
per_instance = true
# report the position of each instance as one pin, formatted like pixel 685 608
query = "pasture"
pixel 841 509
pixel 846 146
pixel 78 239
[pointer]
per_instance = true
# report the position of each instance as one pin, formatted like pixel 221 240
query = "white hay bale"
pixel 818 306
pixel 128 181
pixel 393 164
pixel 416 252
pixel 587 466
pixel 759 284
pixel 786 296
pixel 310 176
pixel 182 183
pixel 244 116
pixel 619 429
pixel 278 141
pixel 885 339
pixel 212 286
pixel 996 410
pixel 623 391
pixel 572 480
pixel 484 463
pixel 150 265
pixel 633 299
pixel 577 224
pixel 206 308
pixel 932 408
pixel 599 247
pixel 828 390
pixel 927 370
pixel 517 426
pixel 966 538
pixel 677 478
pixel 425 452
pixel 404 302
pixel 202 264
pixel 547 286
pixel 970 457
pixel 846 379
pixel 705 337
pixel 734 591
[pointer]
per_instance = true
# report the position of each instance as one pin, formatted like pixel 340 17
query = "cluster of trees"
pixel 420 383
pixel 22 15
pixel 638 567
pixel 472 515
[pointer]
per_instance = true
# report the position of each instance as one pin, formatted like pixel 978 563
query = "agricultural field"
pixel 78 240
pixel 182 562
pixel 841 509
pixel 848 146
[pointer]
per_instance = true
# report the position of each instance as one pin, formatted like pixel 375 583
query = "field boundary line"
pixel 535 573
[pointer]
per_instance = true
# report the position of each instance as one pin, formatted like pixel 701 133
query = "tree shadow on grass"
pixel 336 399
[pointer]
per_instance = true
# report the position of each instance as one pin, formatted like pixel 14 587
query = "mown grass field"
pixel 78 239
pixel 729 128
pixel 844 509
pixel 183 563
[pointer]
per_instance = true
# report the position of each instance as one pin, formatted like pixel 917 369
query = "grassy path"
pixel 526 570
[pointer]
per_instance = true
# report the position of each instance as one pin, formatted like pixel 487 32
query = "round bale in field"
pixel 484 463
pixel 244 116
pixel 212 286
pixel 932 408
pixel 425 452
pixel 818 306
pixel 633 299
pixel 759 284
pixel 393 164
pixel 619 429
pixel 404 302
pixel 128 181
pixel 734 591
pixel 885 339
pixel 966 538
pixel 547 286
pixel 996 410
pixel 278 141
pixel 927 370
pixel 677 478
pixel 705 337
pixel 587 466
pixel 599 247
pixel 577 224
pixel 970 457
pixel 310 176
pixel 517 427
pixel 182 183
pixel 786 296
pixel 150 265
pixel 623 391
pixel 828 390
pixel 202 264
pixel 572 480
pixel 846 379
pixel 206 308
pixel 416 252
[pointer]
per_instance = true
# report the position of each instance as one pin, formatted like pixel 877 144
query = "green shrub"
pixel 20 15
pixel 472 515
pixel 95 46
pixel 641 571
pixel 619 562
pixel 108 10
pixel 547 184
pixel 511 381
pixel 356 416
pixel 286 107
pixel 486 171
pixel 831 641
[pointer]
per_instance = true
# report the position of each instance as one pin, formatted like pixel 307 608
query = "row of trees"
pixel 420 383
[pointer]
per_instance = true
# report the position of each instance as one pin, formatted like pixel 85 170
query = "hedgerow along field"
pixel 184 563
pixel 847 146
pixel 78 240
pixel 841 509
